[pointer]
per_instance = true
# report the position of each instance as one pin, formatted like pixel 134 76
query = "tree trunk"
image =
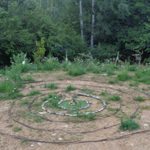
pixel 92 24
pixel 81 18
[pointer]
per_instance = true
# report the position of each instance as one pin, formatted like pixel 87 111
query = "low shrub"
pixel 129 124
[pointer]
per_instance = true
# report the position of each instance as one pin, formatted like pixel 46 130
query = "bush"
pixel 93 66
pixel 143 76
pixel 129 124
pixel 76 69
pixel 123 76
pixel 53 101
pixel 40 52
pixel 49 64
pixel 7 86
pixel 51 86
pixel 114 98
pixel 70 88
pixel 139 99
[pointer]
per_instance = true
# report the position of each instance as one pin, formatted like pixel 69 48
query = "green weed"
pixel 32 93
pixel 123 76
pixel 139 99
pixel 7 86
pixel 17 129
pixel 70 88
pixel 129 124
pixel 51 86
pixel 76 69
pixel 114 98
pixel 32 117
pixel 143 76
pixel 86 117
pixel 53 101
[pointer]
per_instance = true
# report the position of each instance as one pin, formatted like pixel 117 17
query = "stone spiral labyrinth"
pixel 84 113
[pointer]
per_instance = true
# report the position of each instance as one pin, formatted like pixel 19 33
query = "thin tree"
pixel 92 24
pixel 81 18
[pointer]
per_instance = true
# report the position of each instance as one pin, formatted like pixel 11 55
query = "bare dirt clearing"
pixel 43 129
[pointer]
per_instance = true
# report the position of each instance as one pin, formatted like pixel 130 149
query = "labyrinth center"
pixel 85 112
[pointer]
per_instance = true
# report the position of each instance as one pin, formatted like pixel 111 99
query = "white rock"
pixel 42 113
pixel 132 144
pixel 60 139
pixel 53 134
pixel 66 126
pixel 39 144
pixel 146 125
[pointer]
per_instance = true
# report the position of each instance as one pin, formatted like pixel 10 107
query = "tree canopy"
pixel 119 26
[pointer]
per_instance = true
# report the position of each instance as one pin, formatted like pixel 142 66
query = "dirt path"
pixel 27 119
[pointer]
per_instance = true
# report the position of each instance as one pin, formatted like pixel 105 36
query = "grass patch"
pixel 139 99
pixel 104 93
pixel 123 76
pixel 129 124
pixel 73 107
pixel 53 101
pixel 145 107
pixel 32 117
pixel 143 76
pixel 114 98
pixel 49 65
pixel 87 91
pixel 32 93
pixel 52 86
pixel 24 102
pixel 28 78
pixel 7 87
pixel 70 88
pixel 108 68
pixel 134 84
pixel 113 81
pixel 17 129
pixel 76 69
pixel 86 117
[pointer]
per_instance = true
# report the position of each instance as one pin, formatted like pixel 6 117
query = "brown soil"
pixel 72 133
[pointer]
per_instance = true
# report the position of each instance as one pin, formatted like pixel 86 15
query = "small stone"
pixel 146 125
pixel 53 134
pixel 66 126
pixel 122 132
pixel 42 113
pixel 132 144
pixel 39 144
pixel 60 139
pixel 32 145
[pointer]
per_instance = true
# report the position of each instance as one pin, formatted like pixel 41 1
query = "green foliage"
pixel 70 88
pixel 143 75
pixel 123 76
pixel 86 117
pixel 33 93
pixel 120 26
pixel 17 129
pixel 40 52
pixel 129 124
pixel 93 66
pixel 49 64
pixel 7 86
pixel 139 99
pixel 53 101
pixel 76 69
pixel 114 98
pixel 73 107
pixel 32 117
pixel 51 86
